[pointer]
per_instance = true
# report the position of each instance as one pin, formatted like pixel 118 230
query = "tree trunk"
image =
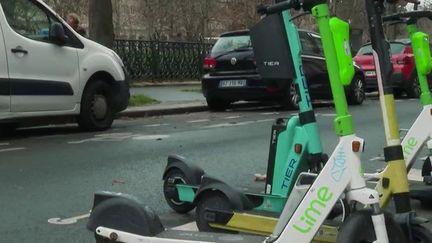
pixel 100 22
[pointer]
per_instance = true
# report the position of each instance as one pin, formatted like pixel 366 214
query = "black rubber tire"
pixel 421 234
pixel 357 91
pixel 413 89
pixel 7 129
pixel 100 239
pixel 358 228
pixel 171 194
pixel 397 93
pixel 291 98
pixel 216 104
pixel 88 120
pixel 427 171
pixel 214 200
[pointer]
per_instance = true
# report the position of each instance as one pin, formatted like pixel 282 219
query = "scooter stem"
pixel 343 122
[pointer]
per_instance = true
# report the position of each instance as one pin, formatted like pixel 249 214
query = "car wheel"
pixel 413 89
pixel 357 92
pixel 291 99
pixel 7 129
pixel 96 107
pixel 216 104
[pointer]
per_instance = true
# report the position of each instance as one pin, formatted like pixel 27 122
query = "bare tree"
pixel 100 22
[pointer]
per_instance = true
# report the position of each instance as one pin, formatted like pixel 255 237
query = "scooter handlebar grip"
pixel 275 8
pixel 408 15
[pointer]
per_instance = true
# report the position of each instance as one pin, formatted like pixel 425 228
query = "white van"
pixel 47 69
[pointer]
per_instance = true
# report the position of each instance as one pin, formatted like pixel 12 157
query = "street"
pixel 50 173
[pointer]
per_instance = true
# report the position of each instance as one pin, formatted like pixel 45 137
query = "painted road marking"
pixel 108 137
pixel 234 124
pixel 187 227
pixel 415 175
pixel 151 137
pixel 4 144
pixel 11 149
pixel 269 113
pixel 199 121
pixel 157 125
pixel 379 158
pixel 232 117
pixel 327 115
pixel 67 221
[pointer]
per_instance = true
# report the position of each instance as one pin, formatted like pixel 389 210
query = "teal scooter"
pixel 295 147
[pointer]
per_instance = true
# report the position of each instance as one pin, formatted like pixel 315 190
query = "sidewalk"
pixel 174 99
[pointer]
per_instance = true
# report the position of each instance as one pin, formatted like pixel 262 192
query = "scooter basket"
pixel 272 51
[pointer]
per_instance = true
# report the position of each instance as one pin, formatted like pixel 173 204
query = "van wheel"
pixel 96 107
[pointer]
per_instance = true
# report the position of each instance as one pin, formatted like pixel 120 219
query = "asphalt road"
pixel 52 172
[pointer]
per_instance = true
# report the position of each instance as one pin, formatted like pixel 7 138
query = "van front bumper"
pixel 121 94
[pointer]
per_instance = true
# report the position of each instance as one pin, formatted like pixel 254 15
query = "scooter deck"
pixel 209 237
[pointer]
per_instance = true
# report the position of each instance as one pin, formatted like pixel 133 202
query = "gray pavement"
pixel 52 172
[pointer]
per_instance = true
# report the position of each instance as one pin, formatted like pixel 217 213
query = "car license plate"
pixel 370 73
pixel 232 83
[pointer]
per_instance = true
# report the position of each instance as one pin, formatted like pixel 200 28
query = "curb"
pixel 155 111
pixel 163 84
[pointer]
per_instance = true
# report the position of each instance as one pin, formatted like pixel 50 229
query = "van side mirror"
pixel 57 34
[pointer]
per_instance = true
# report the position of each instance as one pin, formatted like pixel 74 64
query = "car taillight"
pixel 404 60
pixel 209 63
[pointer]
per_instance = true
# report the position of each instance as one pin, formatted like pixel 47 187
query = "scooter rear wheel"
pixel 211 200
pixel 358 228
pixel 174 177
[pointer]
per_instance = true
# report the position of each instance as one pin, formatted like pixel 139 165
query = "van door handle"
pixel 19 49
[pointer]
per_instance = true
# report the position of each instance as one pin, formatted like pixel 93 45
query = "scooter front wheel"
pixel 359 228
pixel 173 178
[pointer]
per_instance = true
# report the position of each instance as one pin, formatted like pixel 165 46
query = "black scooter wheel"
pixel 173 178
pixel 358 228
pixel 426 172
pixel 211 200
pixel 100 239
pixel 421 234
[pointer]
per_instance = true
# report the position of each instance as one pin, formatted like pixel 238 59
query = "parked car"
pixel 231 74
pixel 404 70
pixel 47 69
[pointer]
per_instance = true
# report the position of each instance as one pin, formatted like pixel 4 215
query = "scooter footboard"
pixel 123 212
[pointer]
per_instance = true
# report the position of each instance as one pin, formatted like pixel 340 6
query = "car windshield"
pixel 396 48
pixel 231 43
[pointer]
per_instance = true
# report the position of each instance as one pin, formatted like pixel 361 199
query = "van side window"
pixel 27 19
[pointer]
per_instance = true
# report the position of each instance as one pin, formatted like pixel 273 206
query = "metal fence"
pixel 162 60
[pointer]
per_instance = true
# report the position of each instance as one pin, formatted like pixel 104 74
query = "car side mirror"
pixel 57 34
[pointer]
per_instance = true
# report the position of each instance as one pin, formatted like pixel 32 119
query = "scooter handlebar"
pixel 413 15
pixel 276 8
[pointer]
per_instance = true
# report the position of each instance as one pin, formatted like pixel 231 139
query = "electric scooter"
pixel 420 132
pixel 295 146
pixel 120 218
pixel 413 225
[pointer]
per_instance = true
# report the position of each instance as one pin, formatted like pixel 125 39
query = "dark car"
pixel 231 74
pixel 404 70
